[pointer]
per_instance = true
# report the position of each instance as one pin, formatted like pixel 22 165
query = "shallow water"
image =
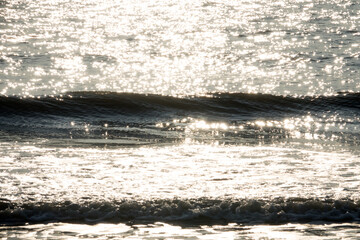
pixel 190 120
pixel 160 230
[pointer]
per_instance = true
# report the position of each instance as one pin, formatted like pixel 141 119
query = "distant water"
pixel 188 47
pixel 190 119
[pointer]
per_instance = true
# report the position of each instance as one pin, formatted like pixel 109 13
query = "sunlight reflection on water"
pixel 167 231
pixel 186 170
pixel 186 47
pixel 179 48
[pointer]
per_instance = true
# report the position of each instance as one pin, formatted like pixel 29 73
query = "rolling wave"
pixel 82 104
pixel 127 118
pixel 203 210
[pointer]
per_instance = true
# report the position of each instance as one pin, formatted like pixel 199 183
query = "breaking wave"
pixel 206 211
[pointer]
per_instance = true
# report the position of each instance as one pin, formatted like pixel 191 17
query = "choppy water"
pixel 191 119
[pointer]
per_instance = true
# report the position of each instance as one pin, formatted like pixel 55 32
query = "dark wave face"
pixel 156 118
pixel 238 106
pixel 202 211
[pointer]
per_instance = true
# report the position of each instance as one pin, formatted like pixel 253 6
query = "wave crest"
pixel 247 211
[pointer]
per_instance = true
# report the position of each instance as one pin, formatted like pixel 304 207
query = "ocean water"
pixel 179 119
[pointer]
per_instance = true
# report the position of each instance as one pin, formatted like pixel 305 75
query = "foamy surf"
pixel 203 211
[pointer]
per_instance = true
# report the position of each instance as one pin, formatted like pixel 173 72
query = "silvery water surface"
pixel 179 119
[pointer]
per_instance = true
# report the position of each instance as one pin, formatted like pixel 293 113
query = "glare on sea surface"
pixel 183 48
pixel 167 231
pixel 178 48
pixel 310 127
pixel 151 172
